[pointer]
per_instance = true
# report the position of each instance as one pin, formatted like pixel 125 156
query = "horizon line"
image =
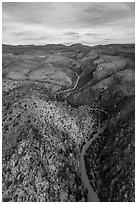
pixel 67 44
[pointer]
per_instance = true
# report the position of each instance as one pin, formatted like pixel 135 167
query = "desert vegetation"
pixel 48 116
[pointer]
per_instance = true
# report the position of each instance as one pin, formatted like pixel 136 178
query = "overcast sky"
pixel 68 23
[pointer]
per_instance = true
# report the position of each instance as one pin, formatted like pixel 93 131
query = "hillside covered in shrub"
pixel 56 99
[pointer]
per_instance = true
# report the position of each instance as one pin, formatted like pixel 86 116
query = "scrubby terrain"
pixel 56 98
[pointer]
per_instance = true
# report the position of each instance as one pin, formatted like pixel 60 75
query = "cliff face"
pixel 44 132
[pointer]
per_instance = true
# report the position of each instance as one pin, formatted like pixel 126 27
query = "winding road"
pixel 92 195
pixel 70 89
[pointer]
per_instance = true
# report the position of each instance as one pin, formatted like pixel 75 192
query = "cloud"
pixel 71 33
pixel 68 22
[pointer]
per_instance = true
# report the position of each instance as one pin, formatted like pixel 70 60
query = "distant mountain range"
pixel 20 49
